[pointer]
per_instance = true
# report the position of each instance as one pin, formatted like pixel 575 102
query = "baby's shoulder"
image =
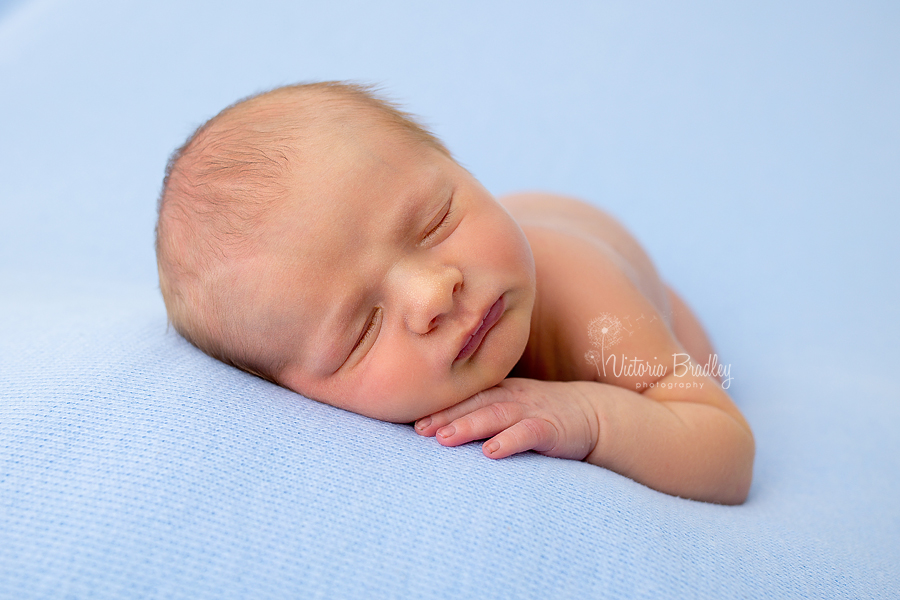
pixel 575 269
pixel 586 266
pixel 576 240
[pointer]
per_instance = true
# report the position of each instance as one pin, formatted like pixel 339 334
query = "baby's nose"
pixel 428 293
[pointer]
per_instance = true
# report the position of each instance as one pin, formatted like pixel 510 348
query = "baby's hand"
pixel 550 417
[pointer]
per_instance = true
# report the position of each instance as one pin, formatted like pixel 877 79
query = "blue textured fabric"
pixel 754 151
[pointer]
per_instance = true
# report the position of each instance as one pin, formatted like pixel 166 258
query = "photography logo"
pixel 604 332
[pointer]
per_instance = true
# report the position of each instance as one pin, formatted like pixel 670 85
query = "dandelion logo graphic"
pixel 604 332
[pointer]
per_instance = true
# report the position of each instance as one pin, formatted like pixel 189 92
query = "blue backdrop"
pixel 753 148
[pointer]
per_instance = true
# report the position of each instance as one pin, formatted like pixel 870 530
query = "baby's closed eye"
pixel 444 217
pixel 369 333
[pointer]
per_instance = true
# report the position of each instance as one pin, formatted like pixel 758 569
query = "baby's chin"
pixel 456 399
pixel 413 411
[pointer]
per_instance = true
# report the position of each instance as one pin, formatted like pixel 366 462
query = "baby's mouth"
pixel 490 319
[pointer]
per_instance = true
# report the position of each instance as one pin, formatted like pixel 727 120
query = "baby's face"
pixel 401 286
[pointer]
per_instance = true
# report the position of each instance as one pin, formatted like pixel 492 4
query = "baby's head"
pixel 318 237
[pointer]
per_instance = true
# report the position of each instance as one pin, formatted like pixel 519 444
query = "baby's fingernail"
pixel 447 431
pixel 492 447
pixel 423 423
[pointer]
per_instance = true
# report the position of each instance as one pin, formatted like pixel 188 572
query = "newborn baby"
pixel 318 237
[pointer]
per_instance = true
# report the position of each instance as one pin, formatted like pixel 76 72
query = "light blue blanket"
pixel 754 151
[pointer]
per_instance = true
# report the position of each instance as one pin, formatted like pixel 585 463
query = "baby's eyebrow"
pixel 418 207
pixel 409 216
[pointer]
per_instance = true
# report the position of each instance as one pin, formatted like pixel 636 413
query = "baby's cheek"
pixel 391 393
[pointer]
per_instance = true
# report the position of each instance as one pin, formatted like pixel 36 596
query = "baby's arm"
pixel 686 439
pixel 685 447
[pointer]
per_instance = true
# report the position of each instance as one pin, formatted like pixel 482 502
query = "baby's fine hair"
pixel 220 188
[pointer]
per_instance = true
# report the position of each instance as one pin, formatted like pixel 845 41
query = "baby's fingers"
pixel 528 434
pixel 428 426
pixel 480 424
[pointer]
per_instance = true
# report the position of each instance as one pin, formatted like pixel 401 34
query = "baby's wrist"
pixel 587 396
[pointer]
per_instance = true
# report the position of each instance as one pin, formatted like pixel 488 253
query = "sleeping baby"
pixel 318 237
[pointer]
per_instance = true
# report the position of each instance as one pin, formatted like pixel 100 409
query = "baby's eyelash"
pixel 440 225
pixel 369 330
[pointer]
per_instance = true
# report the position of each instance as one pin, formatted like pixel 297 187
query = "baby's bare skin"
pixel 541 216
pixel 384 279
pixel 688 439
